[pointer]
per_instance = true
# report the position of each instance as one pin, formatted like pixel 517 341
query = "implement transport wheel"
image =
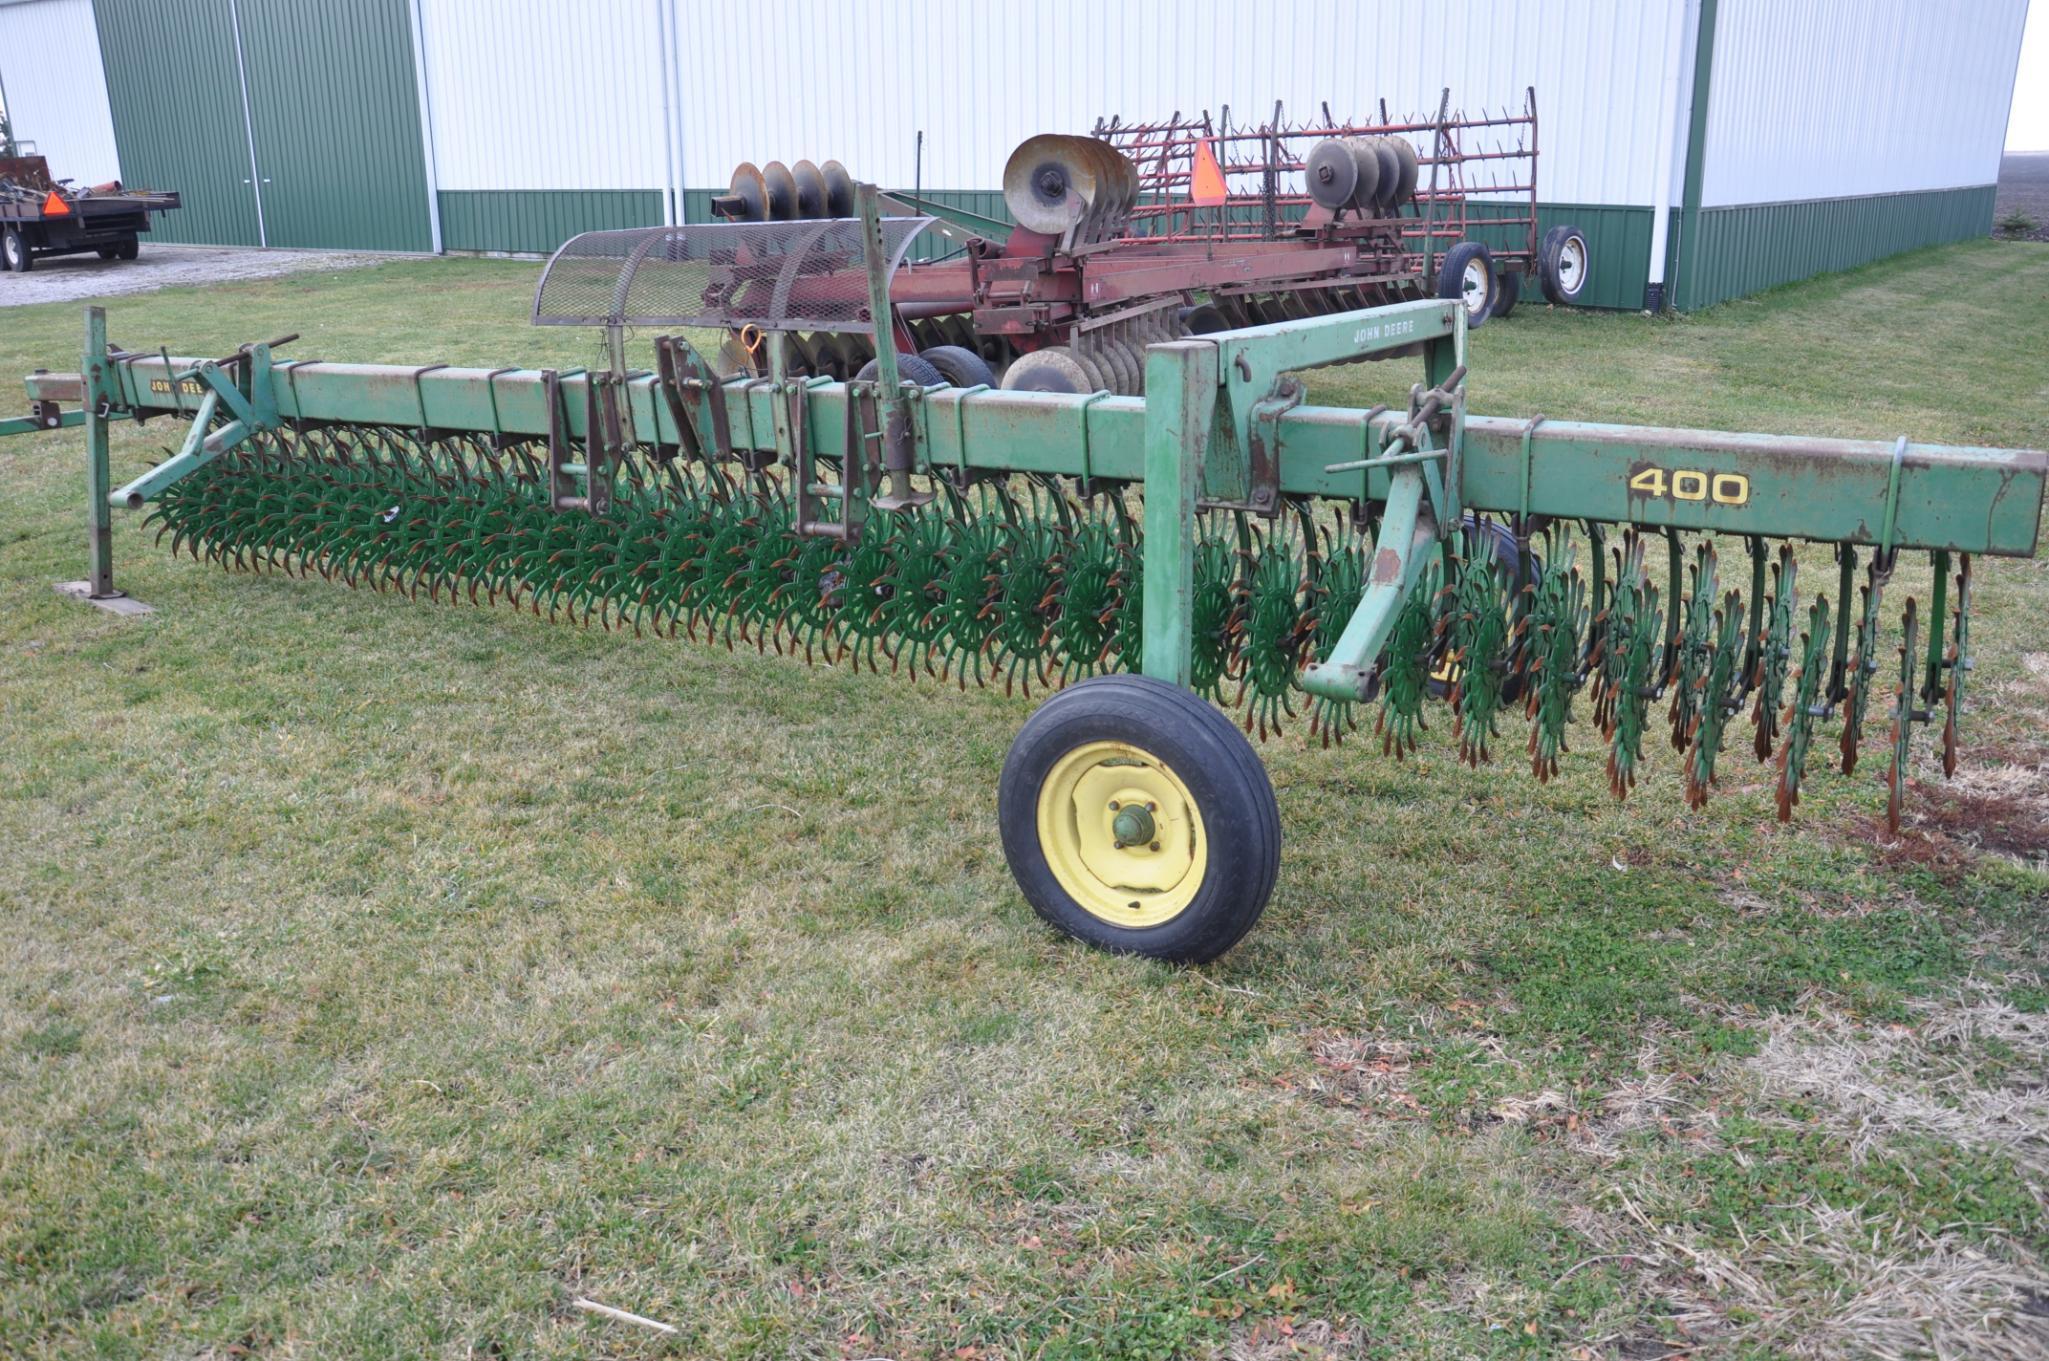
pixel 1508 289
pixel 959 366
pixel 1467 276
pixel 909 369
pixel 14 252
pixel 1137 818
pixel 1563 263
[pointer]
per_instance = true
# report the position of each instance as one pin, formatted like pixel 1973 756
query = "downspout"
pixel 681 161
pixel 669 197
pixel 1686 292
pixel 1661 173
pixel 248 123
pixel 433 170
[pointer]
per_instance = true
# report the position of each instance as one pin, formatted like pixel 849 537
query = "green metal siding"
pixel 332 102
pixel 1685 243
pixel 1744 249
pixel 697 204
pixel 337 117
pixel 177 107
pixel 1618 244
pixel 539 220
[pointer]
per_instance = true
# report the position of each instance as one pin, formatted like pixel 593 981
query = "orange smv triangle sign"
pixel 1206 189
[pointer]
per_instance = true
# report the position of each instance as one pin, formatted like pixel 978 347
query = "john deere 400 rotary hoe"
pixel 1216 543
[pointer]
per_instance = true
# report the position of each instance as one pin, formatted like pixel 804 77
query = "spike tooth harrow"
pixel 1295 561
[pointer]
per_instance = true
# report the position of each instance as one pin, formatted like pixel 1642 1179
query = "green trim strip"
pixel 1681 289
pixel 1742 250
pixel 536 221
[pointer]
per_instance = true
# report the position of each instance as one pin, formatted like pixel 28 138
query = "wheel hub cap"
pixel 1122 834
pixel 1133 826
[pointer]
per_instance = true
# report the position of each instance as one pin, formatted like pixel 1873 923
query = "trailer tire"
pixel 130 247
pixel 909 369
pixel 1508 289
pixel 15 253
pixel 1466 276
pixel 1124 749
pixel 960 366
pixel 1564 263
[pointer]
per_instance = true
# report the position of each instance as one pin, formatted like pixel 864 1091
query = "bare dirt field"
pixel 64 278
pixel 2024 187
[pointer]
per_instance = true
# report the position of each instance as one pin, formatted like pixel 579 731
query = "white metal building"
pixel 1708 147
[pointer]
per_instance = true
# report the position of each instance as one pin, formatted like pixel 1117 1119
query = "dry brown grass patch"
pixel 1875 1084
pixel 1834 1283
pixel 1368 1073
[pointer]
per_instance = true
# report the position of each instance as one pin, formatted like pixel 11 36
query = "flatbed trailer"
pixel 40 216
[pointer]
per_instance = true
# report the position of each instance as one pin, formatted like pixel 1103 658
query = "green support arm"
pixel 29 425
pixel 1407 535
pixel 200 449
pixel 1181 378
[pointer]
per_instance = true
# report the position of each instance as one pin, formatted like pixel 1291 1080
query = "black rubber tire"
pixel 995 351
pixel 1548 273
pixel 909 368
pixel 1223 775
pixel 15 254
pixel 130 247
pixel 1508 289
pixel 959 366
pixel 1451 280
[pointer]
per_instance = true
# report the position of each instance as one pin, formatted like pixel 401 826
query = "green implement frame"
pixel 1223 434
pixel 1212 433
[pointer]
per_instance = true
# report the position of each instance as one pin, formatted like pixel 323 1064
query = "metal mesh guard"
pixel 780 276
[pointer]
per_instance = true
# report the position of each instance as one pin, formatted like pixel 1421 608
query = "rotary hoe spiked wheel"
pixel 1130 810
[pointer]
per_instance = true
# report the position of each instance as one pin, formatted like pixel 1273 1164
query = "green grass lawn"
pixel 379 977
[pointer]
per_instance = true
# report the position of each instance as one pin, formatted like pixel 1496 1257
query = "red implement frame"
pixel 1266 253
pixel 1491 157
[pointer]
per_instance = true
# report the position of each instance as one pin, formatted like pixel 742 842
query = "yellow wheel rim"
pixel 1122 834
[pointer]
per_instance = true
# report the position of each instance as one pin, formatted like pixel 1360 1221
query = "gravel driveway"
pixel 66 278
